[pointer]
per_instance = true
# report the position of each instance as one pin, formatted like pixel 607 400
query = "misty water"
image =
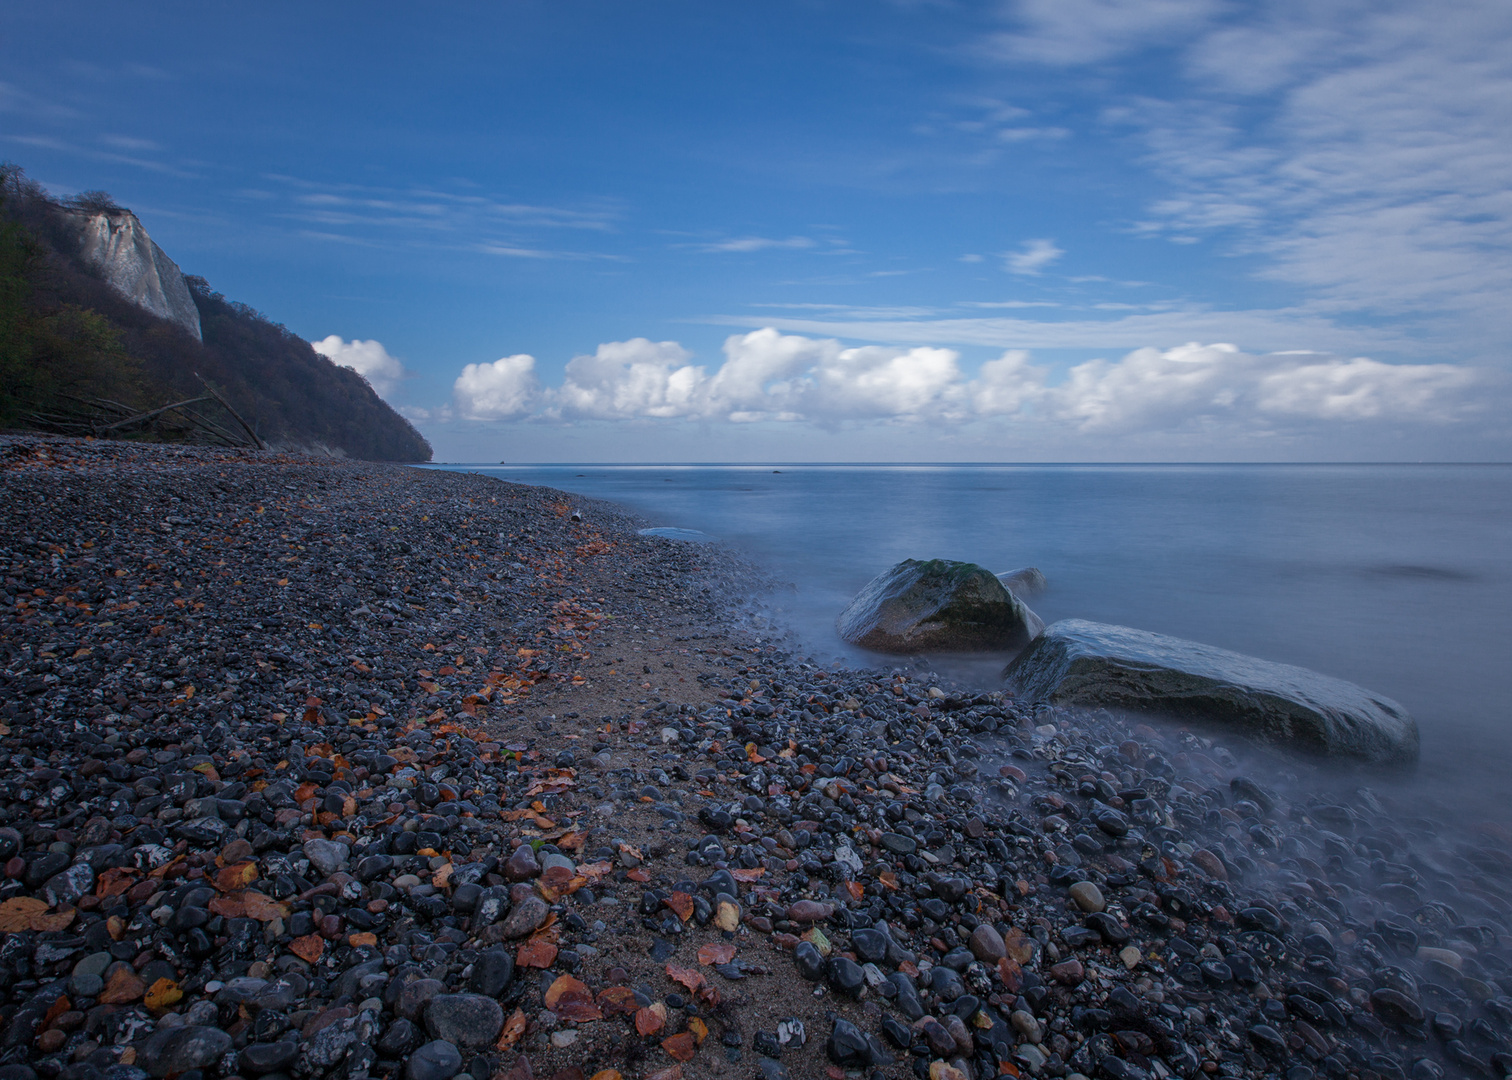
pixel 1396 577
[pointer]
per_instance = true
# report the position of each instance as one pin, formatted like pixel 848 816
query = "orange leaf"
pixel 855 889
pixel 362 939
pixel 618 999
pixel 692 978
pixel 649 1021
pixel 747 876
pixel 716 953
pixel 53 921
pixel 682 904
pixel 537 953
pixel 57 1009
pixel 442 876
pixel 699 1029
pixel 680 1046
pixel 123 988
pixel 16 913
pixel 606 1074
pixel 163 993
pixel 236 876
pixel 115 881
pixel 308 948
pixel 514 1027
pixel 572 1000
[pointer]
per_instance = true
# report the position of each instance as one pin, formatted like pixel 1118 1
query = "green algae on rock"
pixel 937 605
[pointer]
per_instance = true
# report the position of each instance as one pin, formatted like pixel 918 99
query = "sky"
pixel 830 230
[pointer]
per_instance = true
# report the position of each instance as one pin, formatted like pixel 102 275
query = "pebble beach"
pixel 318 768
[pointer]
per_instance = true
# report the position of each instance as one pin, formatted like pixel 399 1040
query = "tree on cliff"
pixel 66 334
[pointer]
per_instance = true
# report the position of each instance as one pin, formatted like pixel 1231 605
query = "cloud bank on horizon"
pixel 767 376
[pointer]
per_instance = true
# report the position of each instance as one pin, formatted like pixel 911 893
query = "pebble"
pixel 1088 896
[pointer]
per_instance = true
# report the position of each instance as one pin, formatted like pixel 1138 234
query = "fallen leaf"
pixel 16 913
pixel 162 994
pixel 442 876
pixel 308 948
pixel 537 953
pixel 674 1073
pixel 59 1007
pixel 855 890
pixel 52 922
pixel 699 1029
pixel 727 917
pixel 712 953
pixel 618 999
pixel 514 1027
pixel 682 904
pixel 680 1046
pixel 123 988
pixel 747 876
pixel 236 876
pixel 606 1074
pixel 649 1021
pixel 115 881
pixel 572 1000
pixel 692 978
pixel 356 940
pixel 638 875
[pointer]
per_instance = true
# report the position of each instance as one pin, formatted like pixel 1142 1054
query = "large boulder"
pixel 1087 663
pixel 1025 581
pixel 937 606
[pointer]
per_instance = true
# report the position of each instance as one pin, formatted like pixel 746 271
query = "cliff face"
pixel 115 243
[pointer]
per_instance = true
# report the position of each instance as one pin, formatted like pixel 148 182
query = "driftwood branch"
pixel 236 415
pixel 141 418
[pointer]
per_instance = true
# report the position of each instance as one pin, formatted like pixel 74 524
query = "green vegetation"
pixel 67 338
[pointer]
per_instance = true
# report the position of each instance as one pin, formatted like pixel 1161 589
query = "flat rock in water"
pixel 937 606
pixel 1086 663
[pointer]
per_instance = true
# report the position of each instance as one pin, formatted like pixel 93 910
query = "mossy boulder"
pixel 937 606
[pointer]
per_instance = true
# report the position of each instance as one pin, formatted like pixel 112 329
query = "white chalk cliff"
pixel 115 243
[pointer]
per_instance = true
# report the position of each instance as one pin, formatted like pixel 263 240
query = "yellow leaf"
pixel 162 994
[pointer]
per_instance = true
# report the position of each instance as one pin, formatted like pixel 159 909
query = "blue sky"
pixel 1032 230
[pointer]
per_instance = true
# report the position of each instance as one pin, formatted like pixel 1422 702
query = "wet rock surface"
pixel 937 605
pixel 1076 662
pixel 251 827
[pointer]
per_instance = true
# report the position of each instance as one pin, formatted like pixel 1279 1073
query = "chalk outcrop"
pixel 115 243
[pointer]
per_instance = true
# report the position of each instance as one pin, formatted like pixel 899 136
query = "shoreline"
pixel 330 871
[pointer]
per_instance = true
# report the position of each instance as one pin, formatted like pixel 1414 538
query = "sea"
pixel 1395 577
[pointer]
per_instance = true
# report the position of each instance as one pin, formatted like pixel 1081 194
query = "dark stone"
pixel 845 976
pixel 177 1050
pixel 810 961
pixel 848 1045
pixel 260 1058
pixel 492 973
pixel 466 1020
pixel 437 1060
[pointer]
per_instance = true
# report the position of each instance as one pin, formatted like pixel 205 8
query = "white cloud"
pixel 1035 256
pixel 368 358
pixel 631 378
pixel 497 391
pixel 769 376
pixel 1220 388
pixel 755 243
pixel 1063 32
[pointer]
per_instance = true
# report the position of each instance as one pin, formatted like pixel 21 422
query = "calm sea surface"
pixel 1398 578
